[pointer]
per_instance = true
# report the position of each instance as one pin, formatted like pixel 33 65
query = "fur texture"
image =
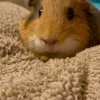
pixel 71 36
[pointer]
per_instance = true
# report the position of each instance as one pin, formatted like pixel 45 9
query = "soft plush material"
pixel 23 3
pixel 23 77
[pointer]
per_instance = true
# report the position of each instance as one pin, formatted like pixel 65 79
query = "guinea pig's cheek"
pixel 36 44
pixel 40 46
pixel 69 46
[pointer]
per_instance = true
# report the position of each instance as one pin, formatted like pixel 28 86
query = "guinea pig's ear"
pixel 33 3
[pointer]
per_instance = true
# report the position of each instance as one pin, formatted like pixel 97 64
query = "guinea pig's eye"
pixel 40 12
pixel 70 13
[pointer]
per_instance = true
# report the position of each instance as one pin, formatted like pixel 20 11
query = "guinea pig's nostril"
pixel 49 41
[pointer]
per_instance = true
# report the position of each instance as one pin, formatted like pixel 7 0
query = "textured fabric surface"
pixel 23 3
pixel 23 77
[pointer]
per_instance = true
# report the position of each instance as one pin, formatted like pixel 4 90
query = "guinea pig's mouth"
pixel 69 47
pixel 51 48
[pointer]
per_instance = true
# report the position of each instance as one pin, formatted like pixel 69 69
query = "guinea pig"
pixel 60 28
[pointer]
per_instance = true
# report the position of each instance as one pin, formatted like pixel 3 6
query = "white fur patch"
pixel 36 44
pixel 69 46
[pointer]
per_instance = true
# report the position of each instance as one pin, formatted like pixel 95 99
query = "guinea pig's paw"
pixel 42 58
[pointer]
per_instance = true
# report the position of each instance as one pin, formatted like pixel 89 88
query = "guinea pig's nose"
pixel 49 41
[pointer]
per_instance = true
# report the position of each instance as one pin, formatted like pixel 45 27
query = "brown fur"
pixel 54 25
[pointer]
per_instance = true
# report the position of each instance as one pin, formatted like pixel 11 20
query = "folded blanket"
pixel 23 77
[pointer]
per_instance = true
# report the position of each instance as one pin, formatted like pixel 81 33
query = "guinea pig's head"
pixel 57 26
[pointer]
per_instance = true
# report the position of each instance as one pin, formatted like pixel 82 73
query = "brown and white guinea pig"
pixel 60 28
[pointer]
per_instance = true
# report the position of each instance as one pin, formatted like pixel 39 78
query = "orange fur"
pixel 54 25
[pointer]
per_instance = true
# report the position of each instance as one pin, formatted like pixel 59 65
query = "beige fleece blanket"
pixel 23 77
pixel 23 3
